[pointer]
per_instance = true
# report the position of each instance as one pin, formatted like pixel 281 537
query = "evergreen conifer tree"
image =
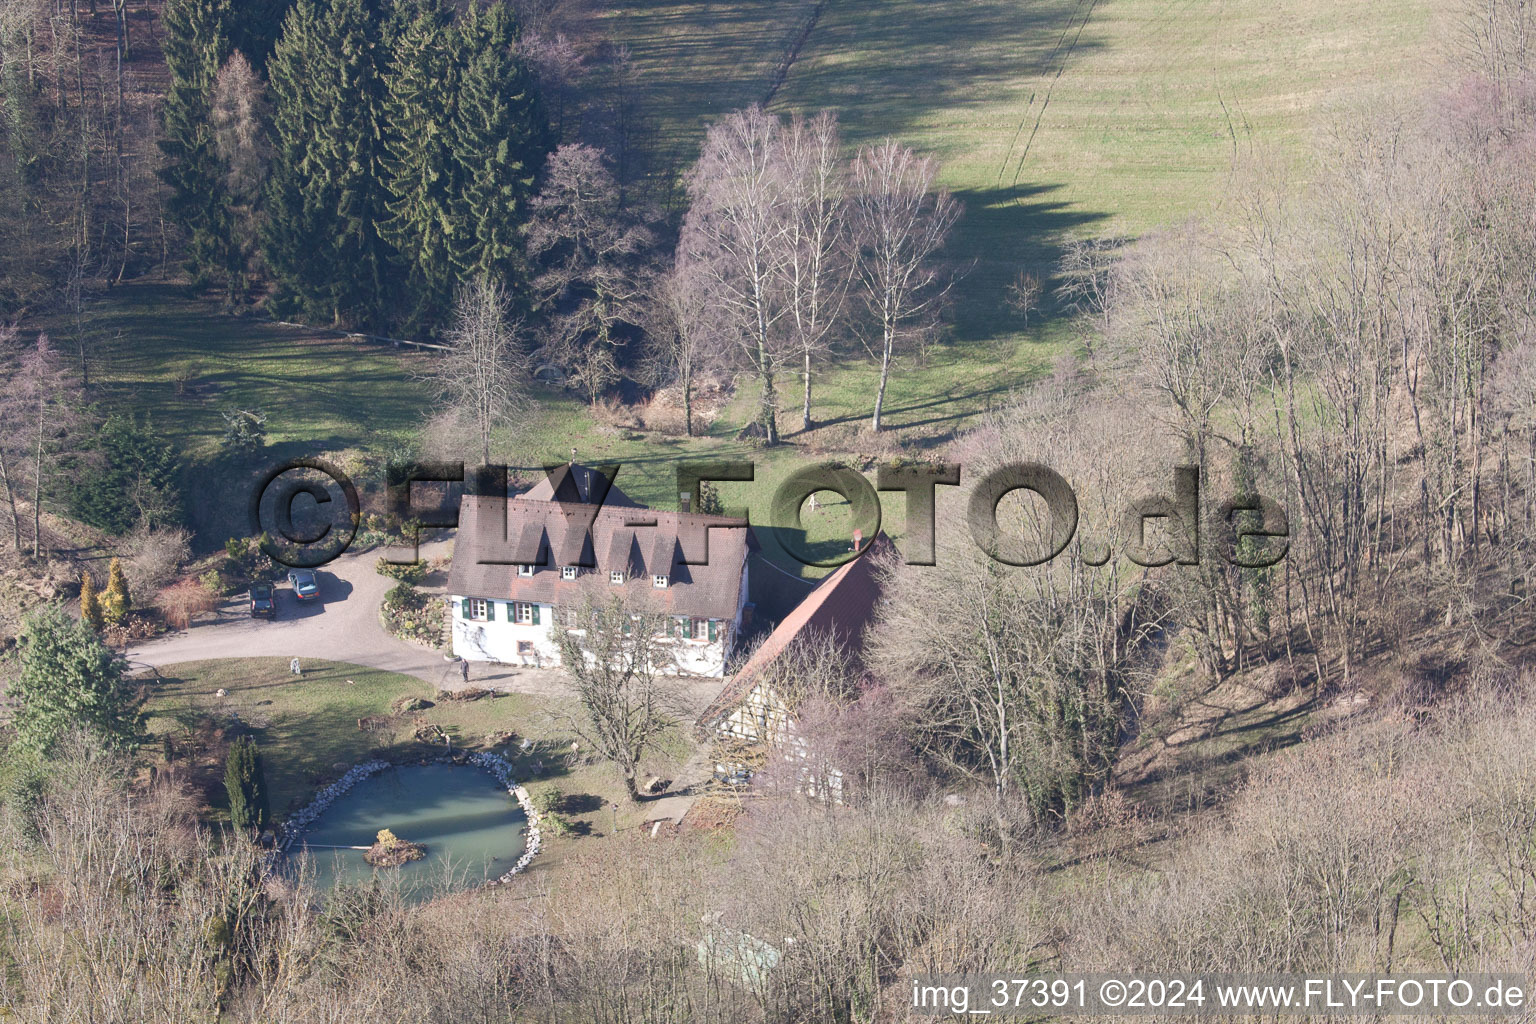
pixel 245 783
pixel 195 48
pixel 500 139
pixel 65 678
pixel 326 193
pixel 90 604
pixel 420 171
pixel 255 27
pixel 115 600
pixel 133 480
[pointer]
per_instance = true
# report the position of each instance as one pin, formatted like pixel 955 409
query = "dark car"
pixel 305 586
pixel 263 602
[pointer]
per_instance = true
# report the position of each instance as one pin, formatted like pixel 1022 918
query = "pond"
pixel 473 830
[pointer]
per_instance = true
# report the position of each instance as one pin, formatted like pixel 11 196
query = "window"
pixel 525 570
pixel 525 647
pixel 476 609
pixel 525 613
pixel 568 572
pixel 615 577
pixel 659 582
pixel 701 629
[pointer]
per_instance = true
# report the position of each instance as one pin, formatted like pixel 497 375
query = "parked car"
pixel 305 586
pixel 263 601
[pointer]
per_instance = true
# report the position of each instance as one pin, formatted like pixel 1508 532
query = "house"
pixel 506 611
pixel 753 711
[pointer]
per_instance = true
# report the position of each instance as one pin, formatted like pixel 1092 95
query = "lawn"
pixel 163 353
pixel 309 735
pixel 1053 119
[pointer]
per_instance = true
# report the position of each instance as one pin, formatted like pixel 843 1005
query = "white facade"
pixel 523 633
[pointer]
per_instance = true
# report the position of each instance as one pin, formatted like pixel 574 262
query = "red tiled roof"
pixel 841 606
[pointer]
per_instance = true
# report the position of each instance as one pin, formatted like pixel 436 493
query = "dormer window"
pixel 615 577
pixel 568 572
pixel 659 582
pixel 525 570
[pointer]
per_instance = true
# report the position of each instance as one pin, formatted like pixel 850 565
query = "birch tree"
pixel 899 223
pixel 735 230
pixel 816 266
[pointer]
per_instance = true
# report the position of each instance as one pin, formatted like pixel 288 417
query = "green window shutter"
pixel 490 611
pixel 535 615
pixel 711 630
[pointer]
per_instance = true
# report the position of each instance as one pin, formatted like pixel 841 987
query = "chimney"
pixel 684 500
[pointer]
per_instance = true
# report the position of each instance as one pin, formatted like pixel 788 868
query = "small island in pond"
pixel 390 851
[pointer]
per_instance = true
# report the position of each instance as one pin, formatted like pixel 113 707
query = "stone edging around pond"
pixel 298 823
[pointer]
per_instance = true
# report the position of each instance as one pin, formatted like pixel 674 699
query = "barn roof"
pixel 842 606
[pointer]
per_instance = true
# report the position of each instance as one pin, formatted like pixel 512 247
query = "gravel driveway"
pixel 342 625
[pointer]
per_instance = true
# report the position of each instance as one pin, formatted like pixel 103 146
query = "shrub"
pixel 245 432
pixel 155 556
pixel 90 604
pixel 372 530
pixel 412 573
pixel 214 581
pixel 134 627
pixel 556 825
pixel 115 600
pixel 182 602
pixel 245 561
pixel 548 800
pixel 411 615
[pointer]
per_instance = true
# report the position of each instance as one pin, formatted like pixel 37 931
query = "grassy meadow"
pixel 1053 119
pixel 308 731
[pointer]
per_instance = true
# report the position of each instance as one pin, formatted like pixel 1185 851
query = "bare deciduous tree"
pixel 682 324
pixel 481 377
pixel 734 231
pixel 816 266
pixel 557 65
pixel 616 654
pixel 240 118
pixel 1087 281
pixel 899 224
pixel 44 407
pixel 590 248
